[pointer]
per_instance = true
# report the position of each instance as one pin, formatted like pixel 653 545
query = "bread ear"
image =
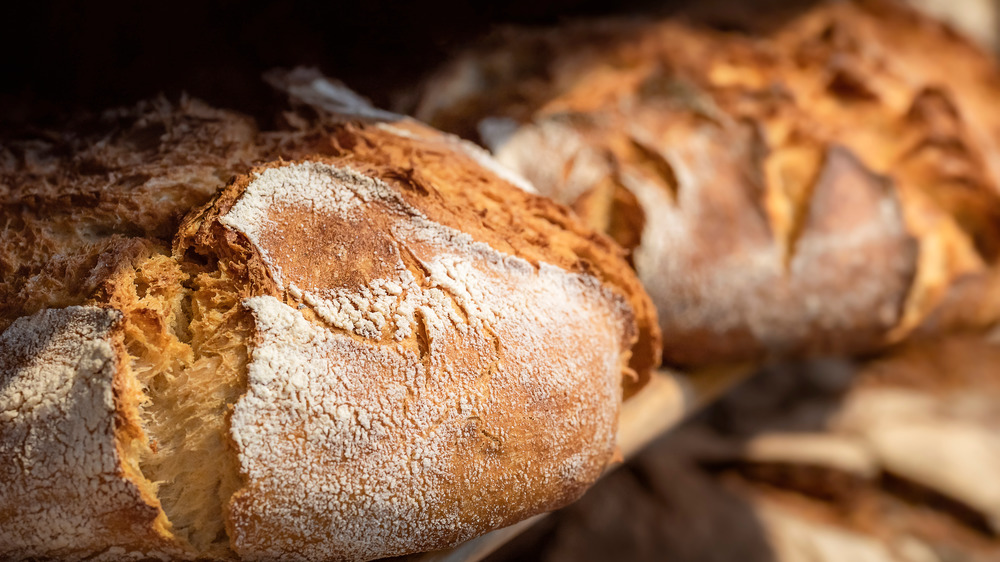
pixel 393 340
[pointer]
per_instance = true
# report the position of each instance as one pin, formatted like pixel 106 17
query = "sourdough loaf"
pixel 346 339
pixel 823 186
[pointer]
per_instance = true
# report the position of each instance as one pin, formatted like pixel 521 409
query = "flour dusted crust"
pixel 442 180
pixel 402 371
pixel 376 342
pixel 65 491
pixel 825 185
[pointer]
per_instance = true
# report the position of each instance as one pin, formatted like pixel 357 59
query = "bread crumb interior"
pixel 186 334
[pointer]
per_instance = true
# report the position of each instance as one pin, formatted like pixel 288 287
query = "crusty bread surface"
pixel 342 340
pixel 68 438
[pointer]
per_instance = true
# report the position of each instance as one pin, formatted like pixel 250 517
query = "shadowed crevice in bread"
pixel 187 338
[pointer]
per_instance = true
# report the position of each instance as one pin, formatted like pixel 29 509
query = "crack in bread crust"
pixel 187 338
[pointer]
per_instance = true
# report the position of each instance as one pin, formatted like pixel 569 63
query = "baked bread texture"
pixel 824 186
pixel 346 339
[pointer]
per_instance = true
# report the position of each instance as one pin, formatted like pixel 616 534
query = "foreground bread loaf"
pixel 378 346
pixel 823 185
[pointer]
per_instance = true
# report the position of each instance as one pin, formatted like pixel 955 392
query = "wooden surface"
pixel 663 403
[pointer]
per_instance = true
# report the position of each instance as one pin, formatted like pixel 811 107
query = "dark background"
pixel 62 57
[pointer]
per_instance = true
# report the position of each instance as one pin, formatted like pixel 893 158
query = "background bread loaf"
pixel 823 185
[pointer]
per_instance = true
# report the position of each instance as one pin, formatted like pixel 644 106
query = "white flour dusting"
pixel 570 167
pixel 63 490
pixel 366 447
pixel 697 277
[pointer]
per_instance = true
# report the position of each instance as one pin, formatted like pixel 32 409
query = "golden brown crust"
pixel 79 204
pixel 435 367
pixel 733 153
pixel 488 335
pixel 125 181
pixel 515 222
pixel 437 175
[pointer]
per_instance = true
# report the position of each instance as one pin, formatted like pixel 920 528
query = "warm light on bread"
pixel 379 347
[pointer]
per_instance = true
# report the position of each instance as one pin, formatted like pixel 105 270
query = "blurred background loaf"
pixel 827 184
